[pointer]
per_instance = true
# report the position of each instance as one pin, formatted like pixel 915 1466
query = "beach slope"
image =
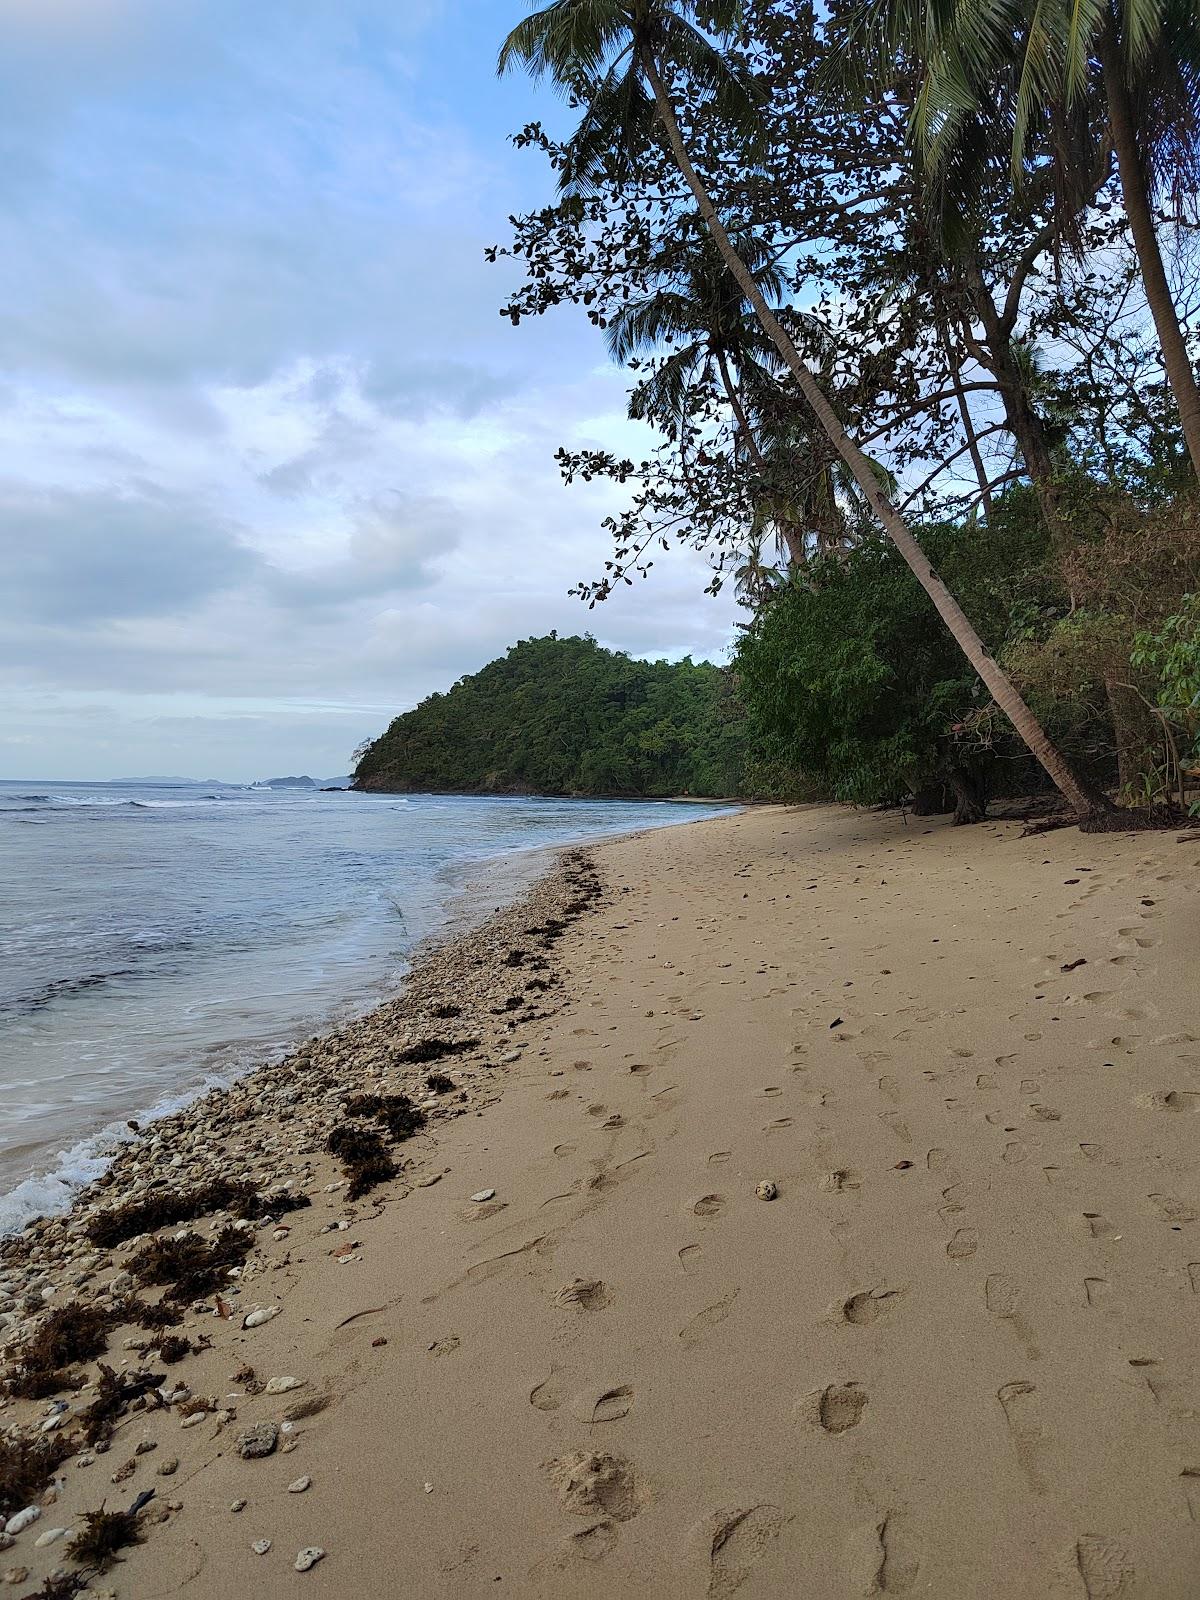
pixel 954 1356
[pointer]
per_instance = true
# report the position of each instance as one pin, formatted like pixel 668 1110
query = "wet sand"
pixel 954 1357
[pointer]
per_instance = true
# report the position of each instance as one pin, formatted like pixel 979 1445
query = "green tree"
pixel 617 58
pixel 1041 75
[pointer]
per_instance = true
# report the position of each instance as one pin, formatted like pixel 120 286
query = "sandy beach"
pixel 953 1356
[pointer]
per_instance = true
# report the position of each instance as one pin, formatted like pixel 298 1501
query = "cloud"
pixel 282 465
pixel 73 556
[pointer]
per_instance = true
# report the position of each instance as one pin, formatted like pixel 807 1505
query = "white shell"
pixel 255 1319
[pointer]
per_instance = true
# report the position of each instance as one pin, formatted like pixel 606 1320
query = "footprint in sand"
pixel 1104 1566
pixel 875 1562
pixel 839 1181
pixel 860 1310
pixel 835 1409
pixel 1099 1227
pixel 1096 1290
pixel 734 1542
pixel 1022 1412
pixel 692 1332
pixel 709 1205
pixel 779 1124
pixel 549 1394
pixel 1193 1272
pixel 1169 1100
pixel 589 1294
pixel 689 1257
pixel 719 1158
pixel 1172 1209
pixel 593 1543
pixel 591 1481
pixel 1001 1295
pixel 897 1124
pixel 602 1403
pixel 1014 1153
pixel 963 1245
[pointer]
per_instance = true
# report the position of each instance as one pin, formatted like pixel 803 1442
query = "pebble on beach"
pixel 767 1189
pixel 258 1441
pixel 309 1557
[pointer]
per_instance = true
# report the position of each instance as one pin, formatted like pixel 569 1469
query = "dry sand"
pixel 955 1357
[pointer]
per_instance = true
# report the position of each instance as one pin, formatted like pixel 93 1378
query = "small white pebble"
pixel 261 1546
pixel 299 1485
pixel 483 1194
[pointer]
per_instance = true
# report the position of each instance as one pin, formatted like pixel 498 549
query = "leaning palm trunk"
pixel 1083 802
pixel 1135 191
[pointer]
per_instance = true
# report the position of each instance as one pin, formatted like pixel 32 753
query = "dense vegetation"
pixel 565 716
pixel 909 297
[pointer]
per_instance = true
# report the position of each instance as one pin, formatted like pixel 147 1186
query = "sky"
pixel 274 467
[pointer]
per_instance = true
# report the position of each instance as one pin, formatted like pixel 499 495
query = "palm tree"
pixel 616 57
pixel 700 312
pixel 996 72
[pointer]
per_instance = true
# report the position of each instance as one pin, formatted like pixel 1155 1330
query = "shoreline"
pixel 569 1351
pixel 480 890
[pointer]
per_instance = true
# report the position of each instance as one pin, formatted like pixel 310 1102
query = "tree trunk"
pixel 1136 193
pixel 954 364
pixel 970 802
pixel 1084 803
pixel 1023 421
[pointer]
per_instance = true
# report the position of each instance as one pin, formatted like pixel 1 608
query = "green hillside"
pixel 567 717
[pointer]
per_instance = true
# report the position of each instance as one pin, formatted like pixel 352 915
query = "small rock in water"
pixel 255 1319
pixel 260 1440
pixel 767 1190
pixel 282 1385
pixel 21 1520
pixel 261 1546
pixel 299 1485
pixel 309 1558
pixel 484 1194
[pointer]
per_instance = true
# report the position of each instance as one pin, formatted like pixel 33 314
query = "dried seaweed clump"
pixel 435 1050
pixel 283 1201
pixel 151 1315
pixel 172 1347
pixel 164 1208
pixel 439 1083
pixel 73 1333
pixel 397 1112
pixel 61 1586
pixel 114 1395
pixel 103 1534
pixel 192 1266
pixel 364 1158
pixel 26 1467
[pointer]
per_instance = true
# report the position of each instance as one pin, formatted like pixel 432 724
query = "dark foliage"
pixel 439 1083
pixel 565 716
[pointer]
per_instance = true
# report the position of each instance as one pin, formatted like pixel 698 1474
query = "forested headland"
pixel 909 297
pixel 568 717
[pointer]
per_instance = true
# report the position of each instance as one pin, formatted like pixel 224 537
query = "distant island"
pixel 564 716
pixel 304 782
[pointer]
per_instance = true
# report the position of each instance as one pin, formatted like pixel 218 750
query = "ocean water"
pixel 157 939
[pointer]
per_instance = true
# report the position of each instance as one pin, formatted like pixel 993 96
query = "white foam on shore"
pixel 49 1194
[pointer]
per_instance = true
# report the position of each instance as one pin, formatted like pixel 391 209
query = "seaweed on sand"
pixel 61 1586
pixel 171 1347
pixel 73 1333
pixel 103 1534
pixel 439 1083
pixel 164 1208
pixel 192 1266
pixel 426 1050
pixel 26 1467
pixel 364 1157
pixel 366 1175
pixel 114 1394
pixel 396 1111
